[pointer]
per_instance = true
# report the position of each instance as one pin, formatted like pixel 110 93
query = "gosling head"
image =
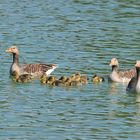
pixel 63 78
pixel 51 79
pixel 43 79
pixel 97 79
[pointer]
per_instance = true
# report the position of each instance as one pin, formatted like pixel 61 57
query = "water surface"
pixel 78 35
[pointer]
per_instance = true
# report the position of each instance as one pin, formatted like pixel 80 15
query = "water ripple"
pixel 80 36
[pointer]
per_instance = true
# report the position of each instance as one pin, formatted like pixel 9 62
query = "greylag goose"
pixel 134 84
pixel 122 76
pixel 36 70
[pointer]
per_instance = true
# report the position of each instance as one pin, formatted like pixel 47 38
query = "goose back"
pixel 38 69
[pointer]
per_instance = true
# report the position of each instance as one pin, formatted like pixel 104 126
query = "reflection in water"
pixel 115 88
pixel 138 99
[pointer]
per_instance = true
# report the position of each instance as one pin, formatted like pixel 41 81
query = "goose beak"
pixel 110 64
pixel 8 50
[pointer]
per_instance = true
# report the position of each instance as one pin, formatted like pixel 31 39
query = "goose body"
pixel 134 84
pixel 36 70
pixel 121 76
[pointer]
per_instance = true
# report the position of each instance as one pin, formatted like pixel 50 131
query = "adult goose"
pixel 122 76
pixel 134 84
pixel 36 70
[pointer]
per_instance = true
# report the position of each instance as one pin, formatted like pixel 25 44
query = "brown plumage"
pixel 35 69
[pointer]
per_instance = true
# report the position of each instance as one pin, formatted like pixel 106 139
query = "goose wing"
pixel 37 68
pixel 127 73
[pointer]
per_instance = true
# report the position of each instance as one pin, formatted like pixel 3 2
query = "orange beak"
pixel 8 50
pixel 110 64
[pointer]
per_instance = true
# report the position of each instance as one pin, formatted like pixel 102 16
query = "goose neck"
pixel 138 73
pixel 15 58
pixel 114 68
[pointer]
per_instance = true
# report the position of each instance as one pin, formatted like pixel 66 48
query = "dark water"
pixel 78 35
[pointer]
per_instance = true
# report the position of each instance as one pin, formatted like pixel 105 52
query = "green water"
pixel 78 35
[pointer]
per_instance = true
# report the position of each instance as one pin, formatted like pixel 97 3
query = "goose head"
pixel 114 62
pixel 137 65
pixel 13 50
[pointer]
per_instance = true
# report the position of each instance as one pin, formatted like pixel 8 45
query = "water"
pixel 79 35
